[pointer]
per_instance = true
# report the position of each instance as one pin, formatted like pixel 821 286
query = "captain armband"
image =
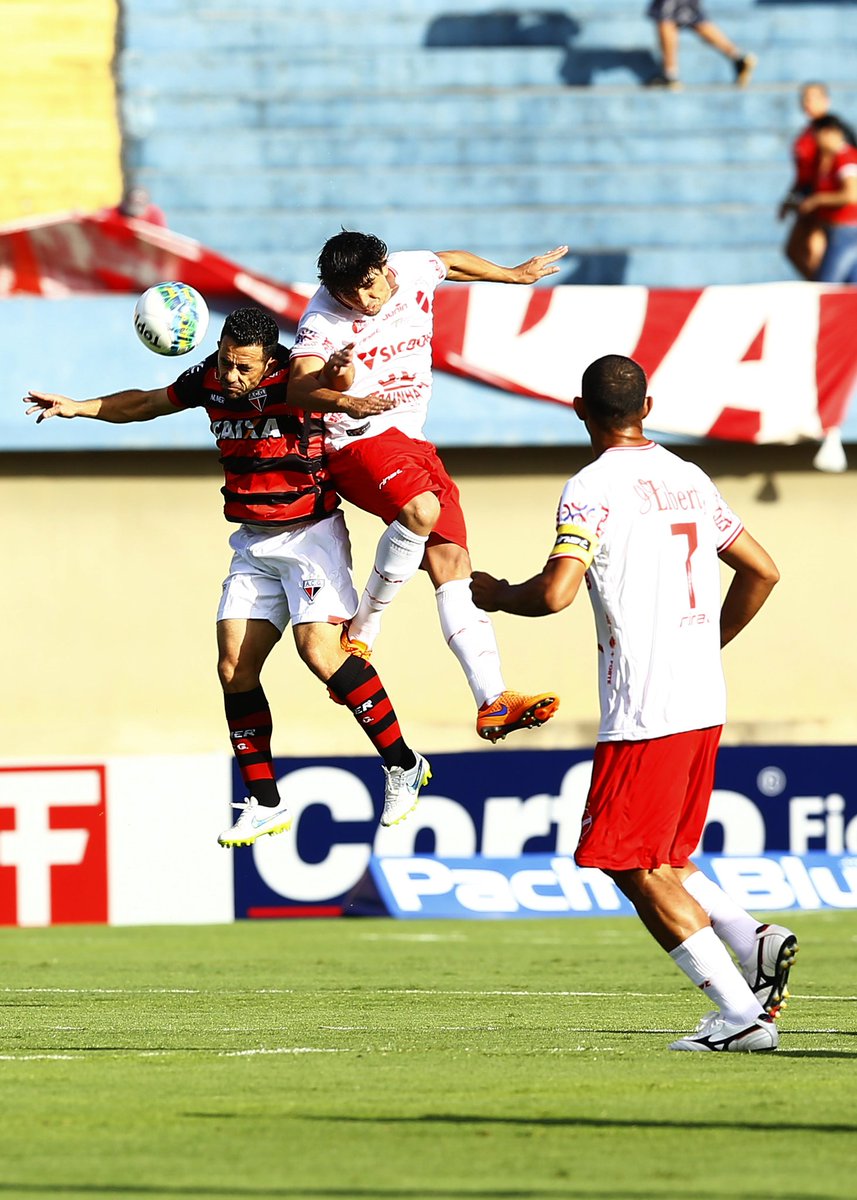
pixel 574 541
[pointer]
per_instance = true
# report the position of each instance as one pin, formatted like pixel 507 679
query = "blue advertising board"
pixel 544 885
pixel 503 804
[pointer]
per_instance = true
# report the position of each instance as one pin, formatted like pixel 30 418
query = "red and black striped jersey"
pixel 275 472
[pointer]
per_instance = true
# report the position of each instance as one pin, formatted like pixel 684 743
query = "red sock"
pixel 250 726
pixel 357 685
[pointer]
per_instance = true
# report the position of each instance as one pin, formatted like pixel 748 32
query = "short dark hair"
pixel 613 389
pixel 349 260
pixel 828 121
pixel 252 327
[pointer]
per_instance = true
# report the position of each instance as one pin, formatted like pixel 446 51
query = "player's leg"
pixel 635 804
pixel 388 475
pixel 398 556
pixel 250 619
pixel 314 565
pixel 765 953
pixel 242 649
pixel 679 925
pixel 469 633
pixel 356 684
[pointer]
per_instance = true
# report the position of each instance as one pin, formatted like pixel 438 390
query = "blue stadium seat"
pixel 262 129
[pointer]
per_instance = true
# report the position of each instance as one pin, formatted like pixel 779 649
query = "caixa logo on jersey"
pixel 506 803
pixel 53 845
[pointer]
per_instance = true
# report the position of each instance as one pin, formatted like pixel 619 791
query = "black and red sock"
pixel 357 685
pixel 250 727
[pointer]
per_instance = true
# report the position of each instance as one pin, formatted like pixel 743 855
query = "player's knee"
pixel 236 676
pixel 421 514
pixel 318 647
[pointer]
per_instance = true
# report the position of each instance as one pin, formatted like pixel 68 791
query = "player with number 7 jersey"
pixel 650 527
pixel 647 531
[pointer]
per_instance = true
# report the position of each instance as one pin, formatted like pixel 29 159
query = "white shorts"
pixel 300 574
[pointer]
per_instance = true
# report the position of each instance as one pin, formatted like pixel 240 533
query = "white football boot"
pixel 402 790
pixel 767 969
pixel 714 1033
pixel 255 821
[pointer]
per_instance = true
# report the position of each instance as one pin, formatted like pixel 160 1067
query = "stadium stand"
pixel 60 142
pixel 261 129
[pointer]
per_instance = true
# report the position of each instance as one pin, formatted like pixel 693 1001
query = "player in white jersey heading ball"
pixel 371 323
pixel 647 531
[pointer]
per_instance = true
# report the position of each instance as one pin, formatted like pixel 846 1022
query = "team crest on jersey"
pixel 258 398
pixel 423 301
pixel 311 587
pixel 357 325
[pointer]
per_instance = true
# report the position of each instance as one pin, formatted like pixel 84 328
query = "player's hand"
pixel 366 406
pixel 485 590
pixel 49 404
pixel 339 368
pixel 540 266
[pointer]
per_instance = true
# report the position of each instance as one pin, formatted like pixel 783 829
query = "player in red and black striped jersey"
pixel 271 451
pixel 291 554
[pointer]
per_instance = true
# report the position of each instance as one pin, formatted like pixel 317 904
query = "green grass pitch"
pixel 378 1060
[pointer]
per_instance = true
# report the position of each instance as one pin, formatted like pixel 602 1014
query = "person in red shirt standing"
pixel 291 560
pixel 807 239
pixel 833 200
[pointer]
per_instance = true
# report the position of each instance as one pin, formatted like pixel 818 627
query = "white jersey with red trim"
pixel 392 351
pixel 649 527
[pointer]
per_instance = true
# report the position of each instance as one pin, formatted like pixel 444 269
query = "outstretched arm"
pixel 755 577
pixel 548 592
pixel 117 408
pixel 464 267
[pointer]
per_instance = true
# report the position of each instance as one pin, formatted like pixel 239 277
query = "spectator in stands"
pixel 833 200
pixel 672 15
pixel 137 203
pixel 807 238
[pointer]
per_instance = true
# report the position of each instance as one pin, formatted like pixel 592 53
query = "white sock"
pixel 730 922
pixel 708 964
pixel 397 559
pixel 470 636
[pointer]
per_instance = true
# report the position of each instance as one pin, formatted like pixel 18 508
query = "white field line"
pixel 118 1052
pixel 476 992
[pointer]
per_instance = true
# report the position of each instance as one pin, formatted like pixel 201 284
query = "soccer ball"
pixel 171 318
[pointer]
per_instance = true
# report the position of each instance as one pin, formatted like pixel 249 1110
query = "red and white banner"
pixel 772 362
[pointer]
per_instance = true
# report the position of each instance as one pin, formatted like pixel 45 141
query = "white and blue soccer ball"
pixel 171 318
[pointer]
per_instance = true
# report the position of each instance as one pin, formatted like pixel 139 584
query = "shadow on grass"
pixel 575 1122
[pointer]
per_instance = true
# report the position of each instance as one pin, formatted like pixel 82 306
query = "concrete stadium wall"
pixel 60 145
pixel 114 561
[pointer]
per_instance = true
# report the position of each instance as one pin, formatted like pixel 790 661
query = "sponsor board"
pixel 504 804
pixel 132 840
pixel 53 846
pixel 127 841
pixel 543 885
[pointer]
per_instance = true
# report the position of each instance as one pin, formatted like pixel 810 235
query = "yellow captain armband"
pixel 574 541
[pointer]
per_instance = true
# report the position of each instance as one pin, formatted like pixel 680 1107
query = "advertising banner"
pixel 541 885
pixel 85 842
pixel 503 805
pixel 768 362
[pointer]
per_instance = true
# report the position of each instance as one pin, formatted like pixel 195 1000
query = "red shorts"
pixel 648 801
pixel 384 473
